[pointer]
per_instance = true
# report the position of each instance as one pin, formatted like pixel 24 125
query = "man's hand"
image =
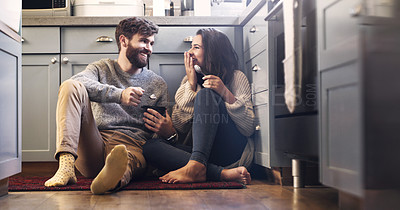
pixel 131 96
pixel 159 124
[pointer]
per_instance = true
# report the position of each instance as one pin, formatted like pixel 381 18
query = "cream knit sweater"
pixel 241 111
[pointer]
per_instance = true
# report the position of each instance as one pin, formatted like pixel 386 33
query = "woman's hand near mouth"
pixel 190 72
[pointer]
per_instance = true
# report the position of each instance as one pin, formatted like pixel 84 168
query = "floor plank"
pixel 259 195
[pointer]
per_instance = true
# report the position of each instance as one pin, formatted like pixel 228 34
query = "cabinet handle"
pixel 104 39
pixel 255 68
pixel 355 11
pixel 53 60
pixel 253 29
pixel 258 127
pixel 65 60
pixel 188 39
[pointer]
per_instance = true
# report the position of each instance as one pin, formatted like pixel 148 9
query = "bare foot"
pixel 193 171
pixel 239 174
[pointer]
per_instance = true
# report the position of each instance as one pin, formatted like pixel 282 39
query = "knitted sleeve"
pixel 241 111
pixel 182 112
pixel 97 91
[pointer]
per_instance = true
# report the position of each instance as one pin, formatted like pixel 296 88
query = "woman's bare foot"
pixel 239 174
pixel 193 171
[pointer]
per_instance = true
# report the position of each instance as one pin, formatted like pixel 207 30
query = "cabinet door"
pixel 40 79
pixel 262 147
pixel 172 69
pixel 10 106
pixel 340 101
pixel 72 64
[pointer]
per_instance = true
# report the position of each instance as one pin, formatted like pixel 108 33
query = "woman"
pixel 216 107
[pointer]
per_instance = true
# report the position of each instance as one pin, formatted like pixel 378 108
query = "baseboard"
pixel 3 187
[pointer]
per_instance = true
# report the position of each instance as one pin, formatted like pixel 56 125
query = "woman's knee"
pixel 207 96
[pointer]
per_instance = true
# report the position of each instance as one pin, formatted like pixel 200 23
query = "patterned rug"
pixel 20 183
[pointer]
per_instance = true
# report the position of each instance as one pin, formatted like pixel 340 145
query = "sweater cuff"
pixel 235 106
pixel 116 95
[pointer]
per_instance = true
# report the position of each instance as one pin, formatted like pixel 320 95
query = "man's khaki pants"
pixel 77 133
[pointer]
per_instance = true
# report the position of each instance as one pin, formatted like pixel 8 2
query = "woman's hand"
pixel 215 83
pixel 159 124
pixel 190 72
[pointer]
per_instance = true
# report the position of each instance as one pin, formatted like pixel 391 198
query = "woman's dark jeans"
pixel 216 140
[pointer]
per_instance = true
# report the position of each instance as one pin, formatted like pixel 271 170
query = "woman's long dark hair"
pixel 220 59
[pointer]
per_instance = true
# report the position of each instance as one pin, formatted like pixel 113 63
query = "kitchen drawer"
pixel 260 98
pixel 171 39
pixel 41 40
pixel 255 29
pixel 262 136
pixel 258 48
pixel 259 68
pixel 88 40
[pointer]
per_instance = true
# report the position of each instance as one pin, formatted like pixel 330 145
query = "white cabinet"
pixel 50 56
pixel 358 79
pixel 40 81
pixel 10 106
pixel 256 66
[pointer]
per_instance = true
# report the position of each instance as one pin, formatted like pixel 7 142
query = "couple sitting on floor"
pixel 104 132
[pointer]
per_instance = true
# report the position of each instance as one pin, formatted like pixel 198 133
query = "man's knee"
pixel 71 87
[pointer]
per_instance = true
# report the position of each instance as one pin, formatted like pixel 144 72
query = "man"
pixel 100 127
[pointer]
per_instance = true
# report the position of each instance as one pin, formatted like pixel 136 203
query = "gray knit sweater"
pixel 104 81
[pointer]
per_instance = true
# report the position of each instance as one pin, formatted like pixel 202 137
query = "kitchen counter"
pixel 112 21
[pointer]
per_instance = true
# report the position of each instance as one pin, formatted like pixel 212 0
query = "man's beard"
pixel 134 58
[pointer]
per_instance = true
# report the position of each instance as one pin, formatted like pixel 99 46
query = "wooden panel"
pixel 40 79
pixel 78 62
pixel 83 40
pixel 10 106
pixel 172 69
pixel 261 98
pixel 260 76
pixel 341 126
pixel 262 136
pixel 3 187
pixel 171 39
pixel 337 32
pixel 258 23
pixel 41 40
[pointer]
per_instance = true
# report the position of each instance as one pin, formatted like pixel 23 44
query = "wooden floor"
pixel 261 194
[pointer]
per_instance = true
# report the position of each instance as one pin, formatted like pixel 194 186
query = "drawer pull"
pixel 22 39
pixel 258 127
pixel 255 68
pixel 253 29
pixel 65 60
pixel 355 11
pixel 104 39
pixel 188 39
pixel 53 60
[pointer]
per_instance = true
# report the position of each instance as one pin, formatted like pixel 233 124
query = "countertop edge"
pixel 113 21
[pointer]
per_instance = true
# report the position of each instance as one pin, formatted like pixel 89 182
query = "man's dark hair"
pixel 131 26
